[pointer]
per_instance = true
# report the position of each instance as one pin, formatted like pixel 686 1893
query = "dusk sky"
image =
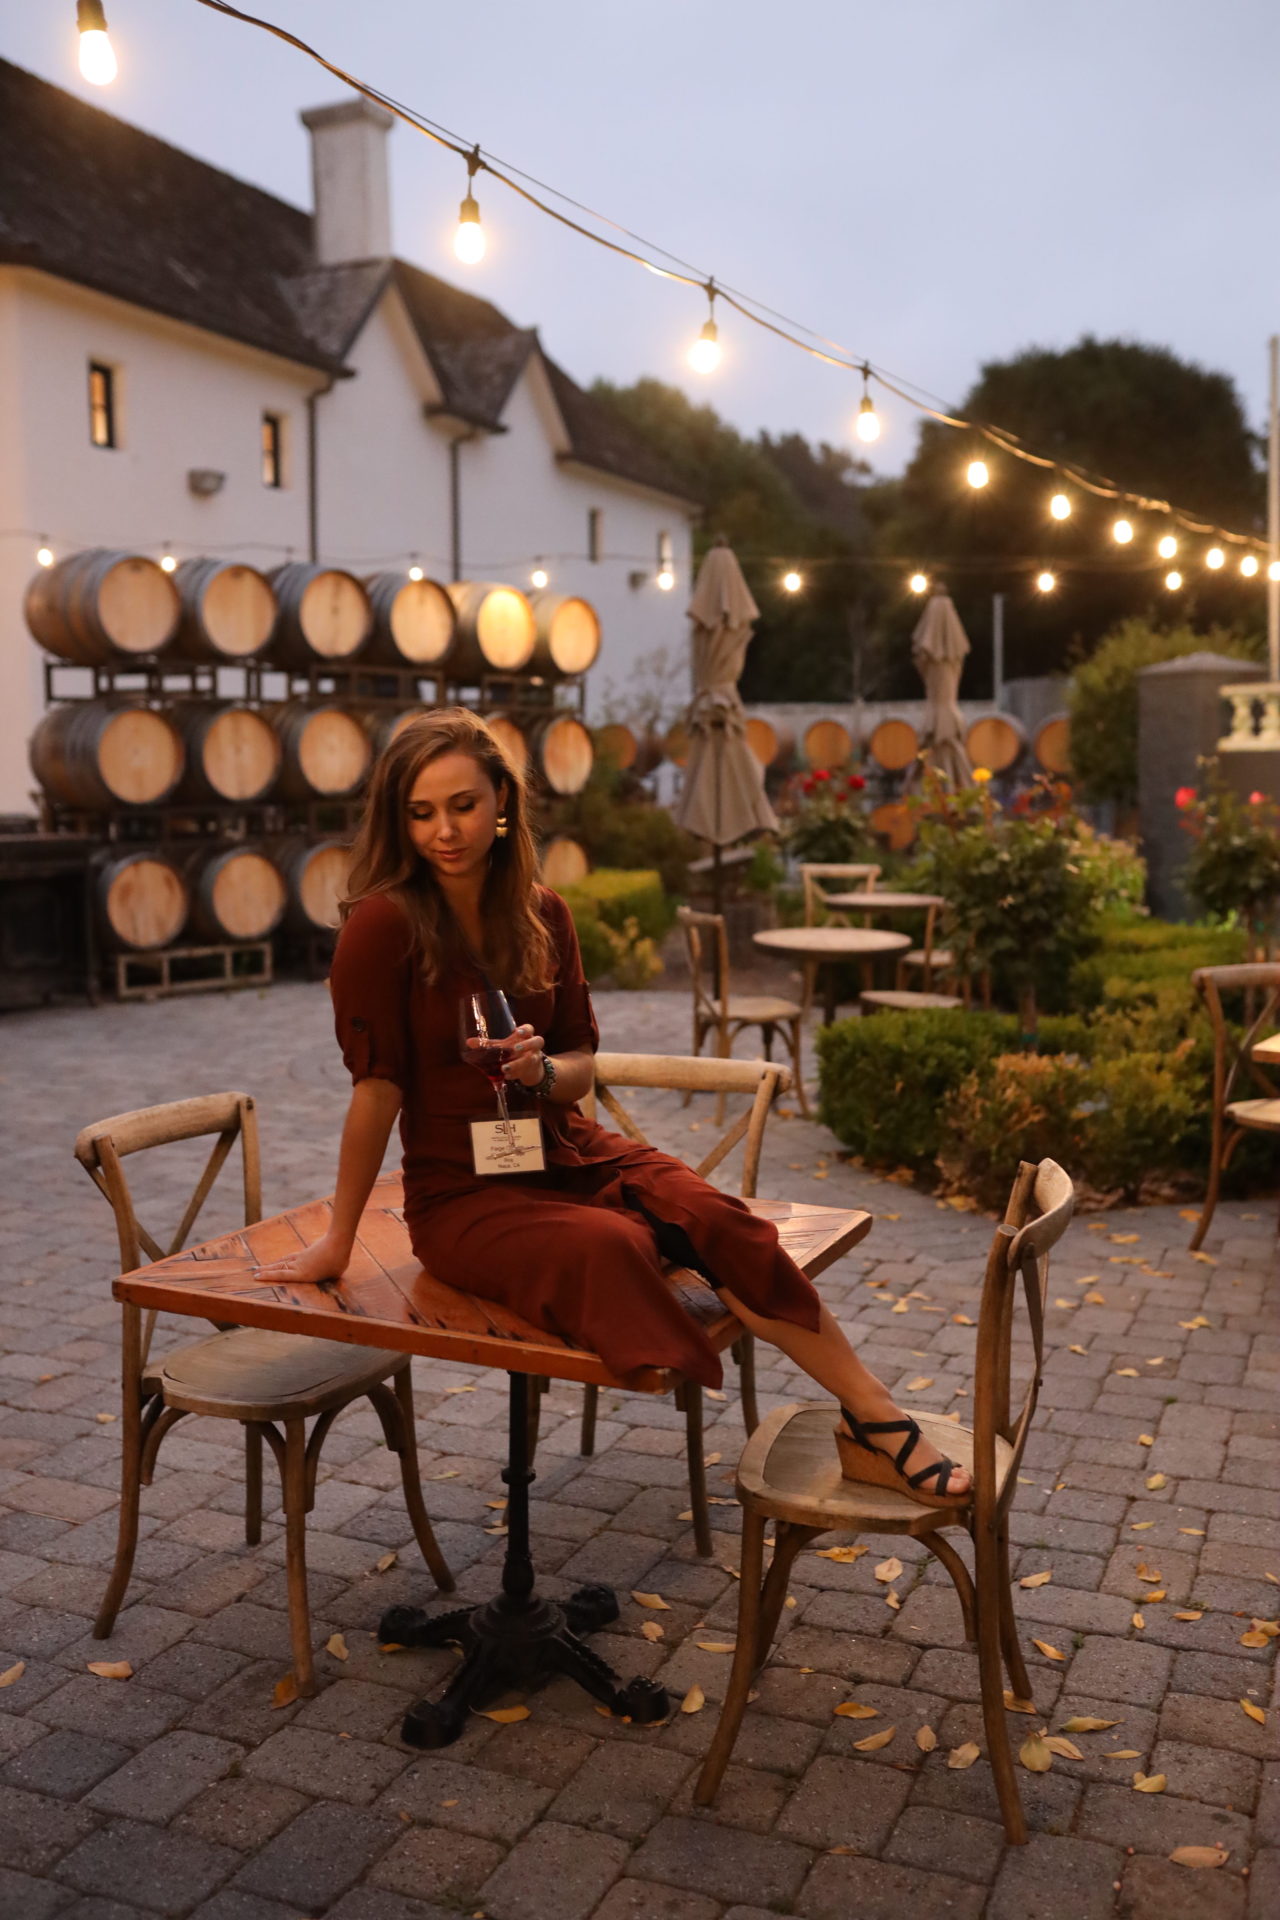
pixel 932 183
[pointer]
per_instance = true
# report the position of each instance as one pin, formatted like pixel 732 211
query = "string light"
pixel 919 583
pixel 539 577
pixel 44 555
pixel 416 573
pixel 867 424
pixel 666 579
pixel 469 240
pixel 1249 565
pixel 1046 581
pixel 1273 570
pixel 98 63
pixel 1173 580
pixel 792 581
pixel 1060 507
pixel 977 473
pixel 1166 547
pixel 1122 532
pixel 1215 558
pixel 704 354
pixel 168 564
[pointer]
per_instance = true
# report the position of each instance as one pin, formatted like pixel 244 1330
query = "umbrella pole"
pixel 717 878
pixel 717 901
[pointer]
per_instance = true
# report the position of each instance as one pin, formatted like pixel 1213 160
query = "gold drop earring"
pixel 500 831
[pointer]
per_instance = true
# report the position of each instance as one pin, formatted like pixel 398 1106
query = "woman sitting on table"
pixel 443 904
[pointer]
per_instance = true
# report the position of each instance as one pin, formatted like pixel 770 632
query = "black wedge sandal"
pixel 861 1459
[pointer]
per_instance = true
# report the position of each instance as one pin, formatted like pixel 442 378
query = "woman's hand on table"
pixel 324 1259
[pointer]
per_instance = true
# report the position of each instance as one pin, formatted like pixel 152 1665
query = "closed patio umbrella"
pixel 939 646
pixel 723 798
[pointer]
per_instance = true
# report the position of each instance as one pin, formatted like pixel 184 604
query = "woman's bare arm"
pixel 370 1118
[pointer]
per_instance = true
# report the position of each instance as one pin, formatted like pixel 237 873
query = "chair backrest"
pixel 708 947
pixel 1260 981
pixel 762 1079
pixel 813 872
pixel 1039 1211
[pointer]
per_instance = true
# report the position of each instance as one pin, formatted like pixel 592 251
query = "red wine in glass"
pixel 484 1021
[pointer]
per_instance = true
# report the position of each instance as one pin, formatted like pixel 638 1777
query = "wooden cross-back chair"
pixel 790 1473
pixel 763 1081
pixel 271 1382
pixel 813 873
pixel 718 1010
pixel 1235 1071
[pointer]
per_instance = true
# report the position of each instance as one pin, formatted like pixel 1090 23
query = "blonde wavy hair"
pixel 384 860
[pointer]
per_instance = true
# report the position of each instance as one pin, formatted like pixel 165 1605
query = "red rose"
pixel 1185 797
pixel 821 773
pixel 806 785
pixel 856 783
pixel 1257 799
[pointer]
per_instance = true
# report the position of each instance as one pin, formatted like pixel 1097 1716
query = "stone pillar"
pixel 1180 721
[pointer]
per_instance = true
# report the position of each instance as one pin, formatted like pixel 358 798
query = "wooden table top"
pixel 388 1300
pixel 830 943
pixel 1267 1052
pixel 887 901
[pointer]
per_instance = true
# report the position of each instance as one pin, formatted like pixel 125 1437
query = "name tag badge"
pixel 499 1148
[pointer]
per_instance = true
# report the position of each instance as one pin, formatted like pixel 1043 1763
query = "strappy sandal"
pixel 861 1459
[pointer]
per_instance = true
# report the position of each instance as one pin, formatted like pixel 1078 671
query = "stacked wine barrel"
pixel 225 815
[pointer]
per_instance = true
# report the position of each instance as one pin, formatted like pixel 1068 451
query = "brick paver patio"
pixel 182 1790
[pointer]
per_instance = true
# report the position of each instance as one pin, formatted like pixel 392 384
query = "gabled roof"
pixel 87 198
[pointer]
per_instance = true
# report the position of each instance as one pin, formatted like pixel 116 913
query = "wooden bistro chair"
pixel 718 1011
pixel 763 1081
pixel 272 1383
pixel 1235 1071
pixel 790 1473
pixel 813 873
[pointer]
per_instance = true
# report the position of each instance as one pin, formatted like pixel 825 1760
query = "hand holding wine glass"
pixel 489 1037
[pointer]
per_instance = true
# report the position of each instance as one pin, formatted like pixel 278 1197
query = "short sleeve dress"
pixel 577 1249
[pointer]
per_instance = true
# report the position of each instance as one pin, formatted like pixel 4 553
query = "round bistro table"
pixel 824 947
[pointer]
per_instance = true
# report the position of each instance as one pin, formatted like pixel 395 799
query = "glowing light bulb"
pixel 1173 580
pixel 97 55
pixel 792 581
pixel 1122 532
pixel 666 579
pixel 416 573
pixel 168 564
pixel 1046 581
pixel 538 578
pixel 867 424
pixel 469 241
pixel 1249 565
pixel 44 556
pixel 1215 558
pixel 977 473
pixel 1166 547
pixel 919 583
pixel 1273 570
pixel 1060 507
pixel 704 354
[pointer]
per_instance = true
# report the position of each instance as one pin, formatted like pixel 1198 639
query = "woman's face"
pixel 453 813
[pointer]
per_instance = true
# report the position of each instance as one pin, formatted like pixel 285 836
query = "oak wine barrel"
pixel 894 822
pixel 568 635
pixel 497 631
pixel 618 744
pixel 98 755
pixel 142 901
pixel 561 749
pixel 828 744
pixel 771 744
pixel 510 737
pixel 228 611
pixel 315 877
pixel 995 741
pixel 1052 744
pixel 325 752
pixel 675 745
pixel 101 606
pixel 893 745
pixel 233 753
pixel 237 893
pixel 325 615
pixel 414 622
pixel 564 862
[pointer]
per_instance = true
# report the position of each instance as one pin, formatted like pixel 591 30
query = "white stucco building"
pixel 190 365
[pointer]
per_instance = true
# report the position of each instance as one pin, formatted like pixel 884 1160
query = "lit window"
pixel 595 532
pixel 272 450
pixel 102 404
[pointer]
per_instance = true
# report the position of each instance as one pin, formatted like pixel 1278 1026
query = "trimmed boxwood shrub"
pixel 620 917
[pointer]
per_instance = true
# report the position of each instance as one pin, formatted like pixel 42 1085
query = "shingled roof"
pixel 88 198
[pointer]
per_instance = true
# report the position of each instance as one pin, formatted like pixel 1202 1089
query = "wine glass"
pixel 484 1022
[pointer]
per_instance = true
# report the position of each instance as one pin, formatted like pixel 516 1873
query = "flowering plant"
pixel 824 818
pixel 1235 859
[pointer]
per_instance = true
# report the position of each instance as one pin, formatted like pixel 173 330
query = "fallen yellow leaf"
pixel 1123 1239
pixel 1205 1259
pixel 842 1555
pixel 1155 1481
pixel 1199 1530
pixel 961 1320
pixel 1158 1594
pixel 654 1600
pixel 1200 1856
pixel 1190 1616
pixel 889 1569
pixel 1140 1526
pixel 1199 1321
pixel 1065 1749
pixel 874 1741
pixel 891 1599
pixel 387 1560
pixel 1015 1705
pixel 459 1389
pixel 448 1803
pixel 900 1306
pixel 1064 1303
pixel 651 1630
pixel 1050 1653
pixel 694 1701
pixel 111 1669
pixel 337 1646
pixel 1146 1439
pixel 1077 1349
pixel 1150 1782
pixel 1126 1373
pixel 712 1459
pixel 964 1756
pixel 13 1673
pixel 1095 1299
pixel 450 1473
pixel 1035 1754
pixel 1254 1712
pixel 1124 1753
pixel 1254 1638
pixel 716 1646
pixel 496 1505
pixel 1037 1579
pixel 854 1710
pixel 506 1716
pixel 919 1384
pixel 1138 1622
pixel 1085 1723
pixel 285 1692
pixel 926 1739
pixel 104 1419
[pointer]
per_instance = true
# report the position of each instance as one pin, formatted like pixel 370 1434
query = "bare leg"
pixel 827 1357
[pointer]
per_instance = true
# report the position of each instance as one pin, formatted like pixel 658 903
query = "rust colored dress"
pixel 576 1249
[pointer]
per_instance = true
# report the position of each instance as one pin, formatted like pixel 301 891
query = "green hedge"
pixel 620 918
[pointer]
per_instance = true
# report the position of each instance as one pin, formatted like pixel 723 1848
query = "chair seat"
pixel 760 1006
pixel 1255 1113
pixel 908 1000
pixel 250 1374
pixel 940 959
pixel 791 1470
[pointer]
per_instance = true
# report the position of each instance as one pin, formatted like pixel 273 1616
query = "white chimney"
pixel 349 181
